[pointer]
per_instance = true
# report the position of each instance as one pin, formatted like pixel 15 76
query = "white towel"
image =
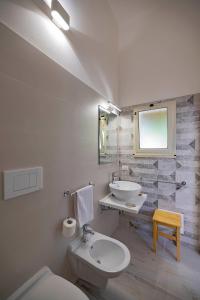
pixel 84 205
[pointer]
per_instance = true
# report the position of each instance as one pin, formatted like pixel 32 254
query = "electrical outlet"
pixel 125 168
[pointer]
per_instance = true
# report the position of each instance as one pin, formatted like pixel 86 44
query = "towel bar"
pixel 71 194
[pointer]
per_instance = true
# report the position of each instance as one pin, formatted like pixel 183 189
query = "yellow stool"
pixel 168 219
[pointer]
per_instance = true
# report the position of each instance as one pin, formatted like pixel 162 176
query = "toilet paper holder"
pixel 69 220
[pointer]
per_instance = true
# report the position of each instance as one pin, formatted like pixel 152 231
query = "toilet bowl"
pixel 45 285
pixel 99 259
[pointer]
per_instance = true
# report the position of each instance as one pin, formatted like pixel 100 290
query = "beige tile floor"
pixel 150 276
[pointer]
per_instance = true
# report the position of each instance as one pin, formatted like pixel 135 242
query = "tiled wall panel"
pixel 158 176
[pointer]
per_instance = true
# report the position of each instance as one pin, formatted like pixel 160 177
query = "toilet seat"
pixel 47 286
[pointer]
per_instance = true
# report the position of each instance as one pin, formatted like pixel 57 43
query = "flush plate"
pixel 22 181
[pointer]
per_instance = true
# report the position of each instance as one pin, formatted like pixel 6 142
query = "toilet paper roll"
pixel 69 227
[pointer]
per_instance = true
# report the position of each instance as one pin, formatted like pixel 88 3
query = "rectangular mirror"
pixel 107 139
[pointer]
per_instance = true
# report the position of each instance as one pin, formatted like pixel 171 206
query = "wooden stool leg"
pixel 157 231
pixel 178 244
pixel 154 235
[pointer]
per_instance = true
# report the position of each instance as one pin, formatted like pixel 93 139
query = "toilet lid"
pixel 48 287
pixel 54 288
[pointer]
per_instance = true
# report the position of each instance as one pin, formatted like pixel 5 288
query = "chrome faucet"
pixel 114 177
pixel 86 231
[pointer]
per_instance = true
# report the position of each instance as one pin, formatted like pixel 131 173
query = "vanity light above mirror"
pixel 109 107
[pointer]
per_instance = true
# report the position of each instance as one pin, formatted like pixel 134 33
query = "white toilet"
pixel 98 259
pixel 45 285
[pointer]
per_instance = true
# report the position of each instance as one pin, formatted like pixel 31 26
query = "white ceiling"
pixel 134 17
pixel 131 16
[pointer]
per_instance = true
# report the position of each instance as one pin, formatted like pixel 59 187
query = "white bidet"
pixel 98 259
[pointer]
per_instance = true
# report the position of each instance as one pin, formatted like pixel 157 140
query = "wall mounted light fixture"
pixel 59 15
pixel 104 109
pixel 112 106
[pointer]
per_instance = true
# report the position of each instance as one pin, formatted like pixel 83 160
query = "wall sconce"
pixel 112 106
pixel 59 15
pixel 104 109
pixel 56 12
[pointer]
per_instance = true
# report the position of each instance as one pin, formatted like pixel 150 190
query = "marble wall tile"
pixel 158 176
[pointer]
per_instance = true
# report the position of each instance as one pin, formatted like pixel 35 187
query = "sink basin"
pixel 107 253
pixel 125 190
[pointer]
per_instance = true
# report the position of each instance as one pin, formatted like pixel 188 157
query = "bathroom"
pixel 58 88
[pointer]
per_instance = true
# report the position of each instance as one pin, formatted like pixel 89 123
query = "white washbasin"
pixel 125 190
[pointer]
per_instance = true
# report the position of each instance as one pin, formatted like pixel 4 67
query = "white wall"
pixel 88 50
pixel 48 118
pixel 159 44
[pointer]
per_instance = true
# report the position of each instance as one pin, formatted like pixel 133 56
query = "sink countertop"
pixel 111 201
